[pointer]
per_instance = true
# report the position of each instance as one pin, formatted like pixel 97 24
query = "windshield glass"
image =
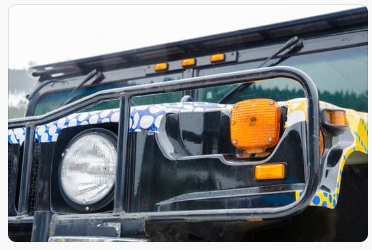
pixel 340 76
pixel 51 101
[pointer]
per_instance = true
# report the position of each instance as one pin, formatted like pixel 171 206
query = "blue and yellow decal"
pixel 145 117
pixel 358 125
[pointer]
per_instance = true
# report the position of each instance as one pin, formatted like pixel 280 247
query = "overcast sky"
pixel 48 33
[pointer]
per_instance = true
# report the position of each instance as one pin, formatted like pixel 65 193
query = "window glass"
pixel 51 101
pixel 340 76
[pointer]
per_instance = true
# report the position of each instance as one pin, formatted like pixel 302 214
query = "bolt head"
pixel 271 102
pixel 234 142
pixel 269 139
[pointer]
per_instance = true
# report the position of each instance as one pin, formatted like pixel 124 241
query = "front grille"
pixel 13 167
pixel 34 177
pixel 10 163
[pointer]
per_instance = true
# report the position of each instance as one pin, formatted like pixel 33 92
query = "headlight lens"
pixel 88 168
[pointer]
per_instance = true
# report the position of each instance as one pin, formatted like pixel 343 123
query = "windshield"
pixel 51 101
pixel 340 76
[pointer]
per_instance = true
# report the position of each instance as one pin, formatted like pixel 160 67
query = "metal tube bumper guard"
pixel 312 171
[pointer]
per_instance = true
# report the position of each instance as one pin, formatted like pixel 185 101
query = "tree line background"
pixel 20 84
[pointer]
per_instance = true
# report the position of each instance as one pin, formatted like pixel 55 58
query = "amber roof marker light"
pixel 188 62
pixel 161 66
pixel 218 57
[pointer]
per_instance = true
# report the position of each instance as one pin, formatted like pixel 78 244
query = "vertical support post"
pixel 122 162
pixel 189 73
pixel 26 169
pixel 40 227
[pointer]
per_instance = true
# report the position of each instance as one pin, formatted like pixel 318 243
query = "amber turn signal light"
pixel 161 66
pixel 321 143
pixel 336 117
pixel 269 171
pixel 255 125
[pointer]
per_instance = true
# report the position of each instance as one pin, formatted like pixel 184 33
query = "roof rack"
pixel 208 44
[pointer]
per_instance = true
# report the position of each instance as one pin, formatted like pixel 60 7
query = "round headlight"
pixel 88 168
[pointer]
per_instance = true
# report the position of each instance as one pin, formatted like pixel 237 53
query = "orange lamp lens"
pixel 188 62
pixel 161 66
pixel 218 57
pixel 269 171
pixel 255 125
pixel 336 117
pixel 321 143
